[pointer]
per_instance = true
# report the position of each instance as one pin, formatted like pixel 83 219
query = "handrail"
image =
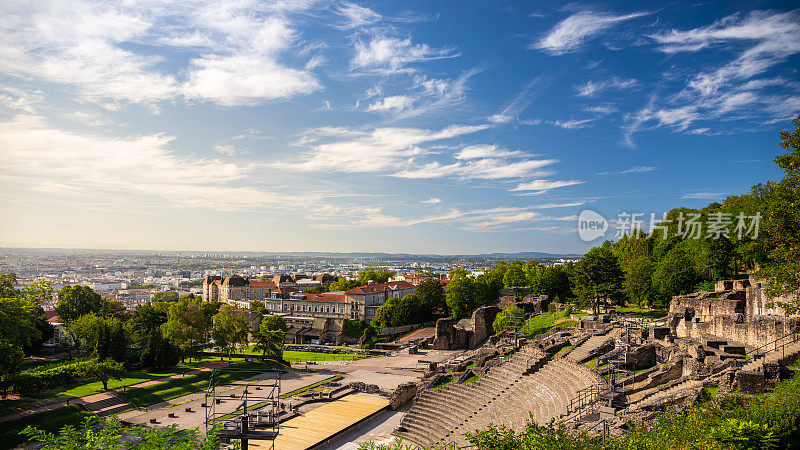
pixel 795 334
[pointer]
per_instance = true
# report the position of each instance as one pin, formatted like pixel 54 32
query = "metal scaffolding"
pixel 255 417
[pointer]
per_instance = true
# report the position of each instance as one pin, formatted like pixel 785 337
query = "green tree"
pixel 634 256
pixel 343 284
pixel 186 324
pixel 515 276
pixel 598 276
pixel 112 436
pixel 159 352
pixel 145 320
pixel 408 310
pixel 165 296
pixel 376 276
pixel 7 283
pixel 431 292
pixel 512 317
pixel 103 370
pixel 76 301
pixel 38 292
pixel 18 321
pixel 271 336
pixel 257 306
pixel 229 330
pixel 674 275
pixel 781 227
pixel 459 297
pixel 457 272
pixel 103 336
pixel 11 357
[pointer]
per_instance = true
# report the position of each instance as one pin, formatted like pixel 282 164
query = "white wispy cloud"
pixel 356 16
pixel 573 31
pixel 141 169
pixel 486 151
pixel 759 40
pixel 99 48
pixel 392 103
pixel 225 149
pixel 639 169
pixel 390 55
pixel 601 109
pixel 704 195
pixel 432 201
pixel 381 149
pixel 570 124
pixel 542 186
pixel 500 218
pixel 591 88
pixel 521 101
pixel 487 168
pixel 774 37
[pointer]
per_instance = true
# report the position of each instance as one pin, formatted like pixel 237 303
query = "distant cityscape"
pixel 135 277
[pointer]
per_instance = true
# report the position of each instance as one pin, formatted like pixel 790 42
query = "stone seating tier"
pixel 508 394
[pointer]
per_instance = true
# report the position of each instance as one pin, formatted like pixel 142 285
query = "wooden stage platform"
pixel 322 423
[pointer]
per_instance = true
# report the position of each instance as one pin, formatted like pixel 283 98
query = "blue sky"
pixel 436 127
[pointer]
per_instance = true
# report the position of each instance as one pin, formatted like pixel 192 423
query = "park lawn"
pixel 94 386
pixel 190 384
pixel 643 312
pixel 50 421
pixel 542 323
pixel 298 356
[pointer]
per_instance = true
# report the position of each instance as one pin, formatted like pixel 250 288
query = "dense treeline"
pixel 153 336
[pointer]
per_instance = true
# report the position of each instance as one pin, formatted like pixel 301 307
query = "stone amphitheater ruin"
pixel 613 367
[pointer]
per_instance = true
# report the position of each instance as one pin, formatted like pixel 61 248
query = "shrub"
pixel 741 434
pixel 35 380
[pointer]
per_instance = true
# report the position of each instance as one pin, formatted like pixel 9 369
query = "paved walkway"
pixel 109 402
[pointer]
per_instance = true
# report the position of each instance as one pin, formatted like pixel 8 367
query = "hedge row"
pixel 47 378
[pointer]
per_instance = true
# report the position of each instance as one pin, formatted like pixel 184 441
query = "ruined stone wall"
pixel 482 320
pixel 757 332
pixel 467 333
pixel 449 337
pixel 402 394
pixel 736 311
pixel 757 302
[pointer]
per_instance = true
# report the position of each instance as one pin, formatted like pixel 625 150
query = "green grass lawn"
pixel 643 312
pixel 542 323
pixel 296 356
pixel 50 421
pixel 93 386
pixel 190 384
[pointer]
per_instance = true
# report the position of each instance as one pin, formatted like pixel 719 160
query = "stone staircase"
pixel 105 404
pixel 660 393
pixel 587 350
pixel 774 357
pixel 436 413
pixel 509 394
pixel 541 396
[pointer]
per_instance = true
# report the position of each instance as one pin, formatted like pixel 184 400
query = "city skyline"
pixel 425 128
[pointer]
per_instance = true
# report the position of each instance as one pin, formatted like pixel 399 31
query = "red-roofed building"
pixel 364 301
pixel 298 304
